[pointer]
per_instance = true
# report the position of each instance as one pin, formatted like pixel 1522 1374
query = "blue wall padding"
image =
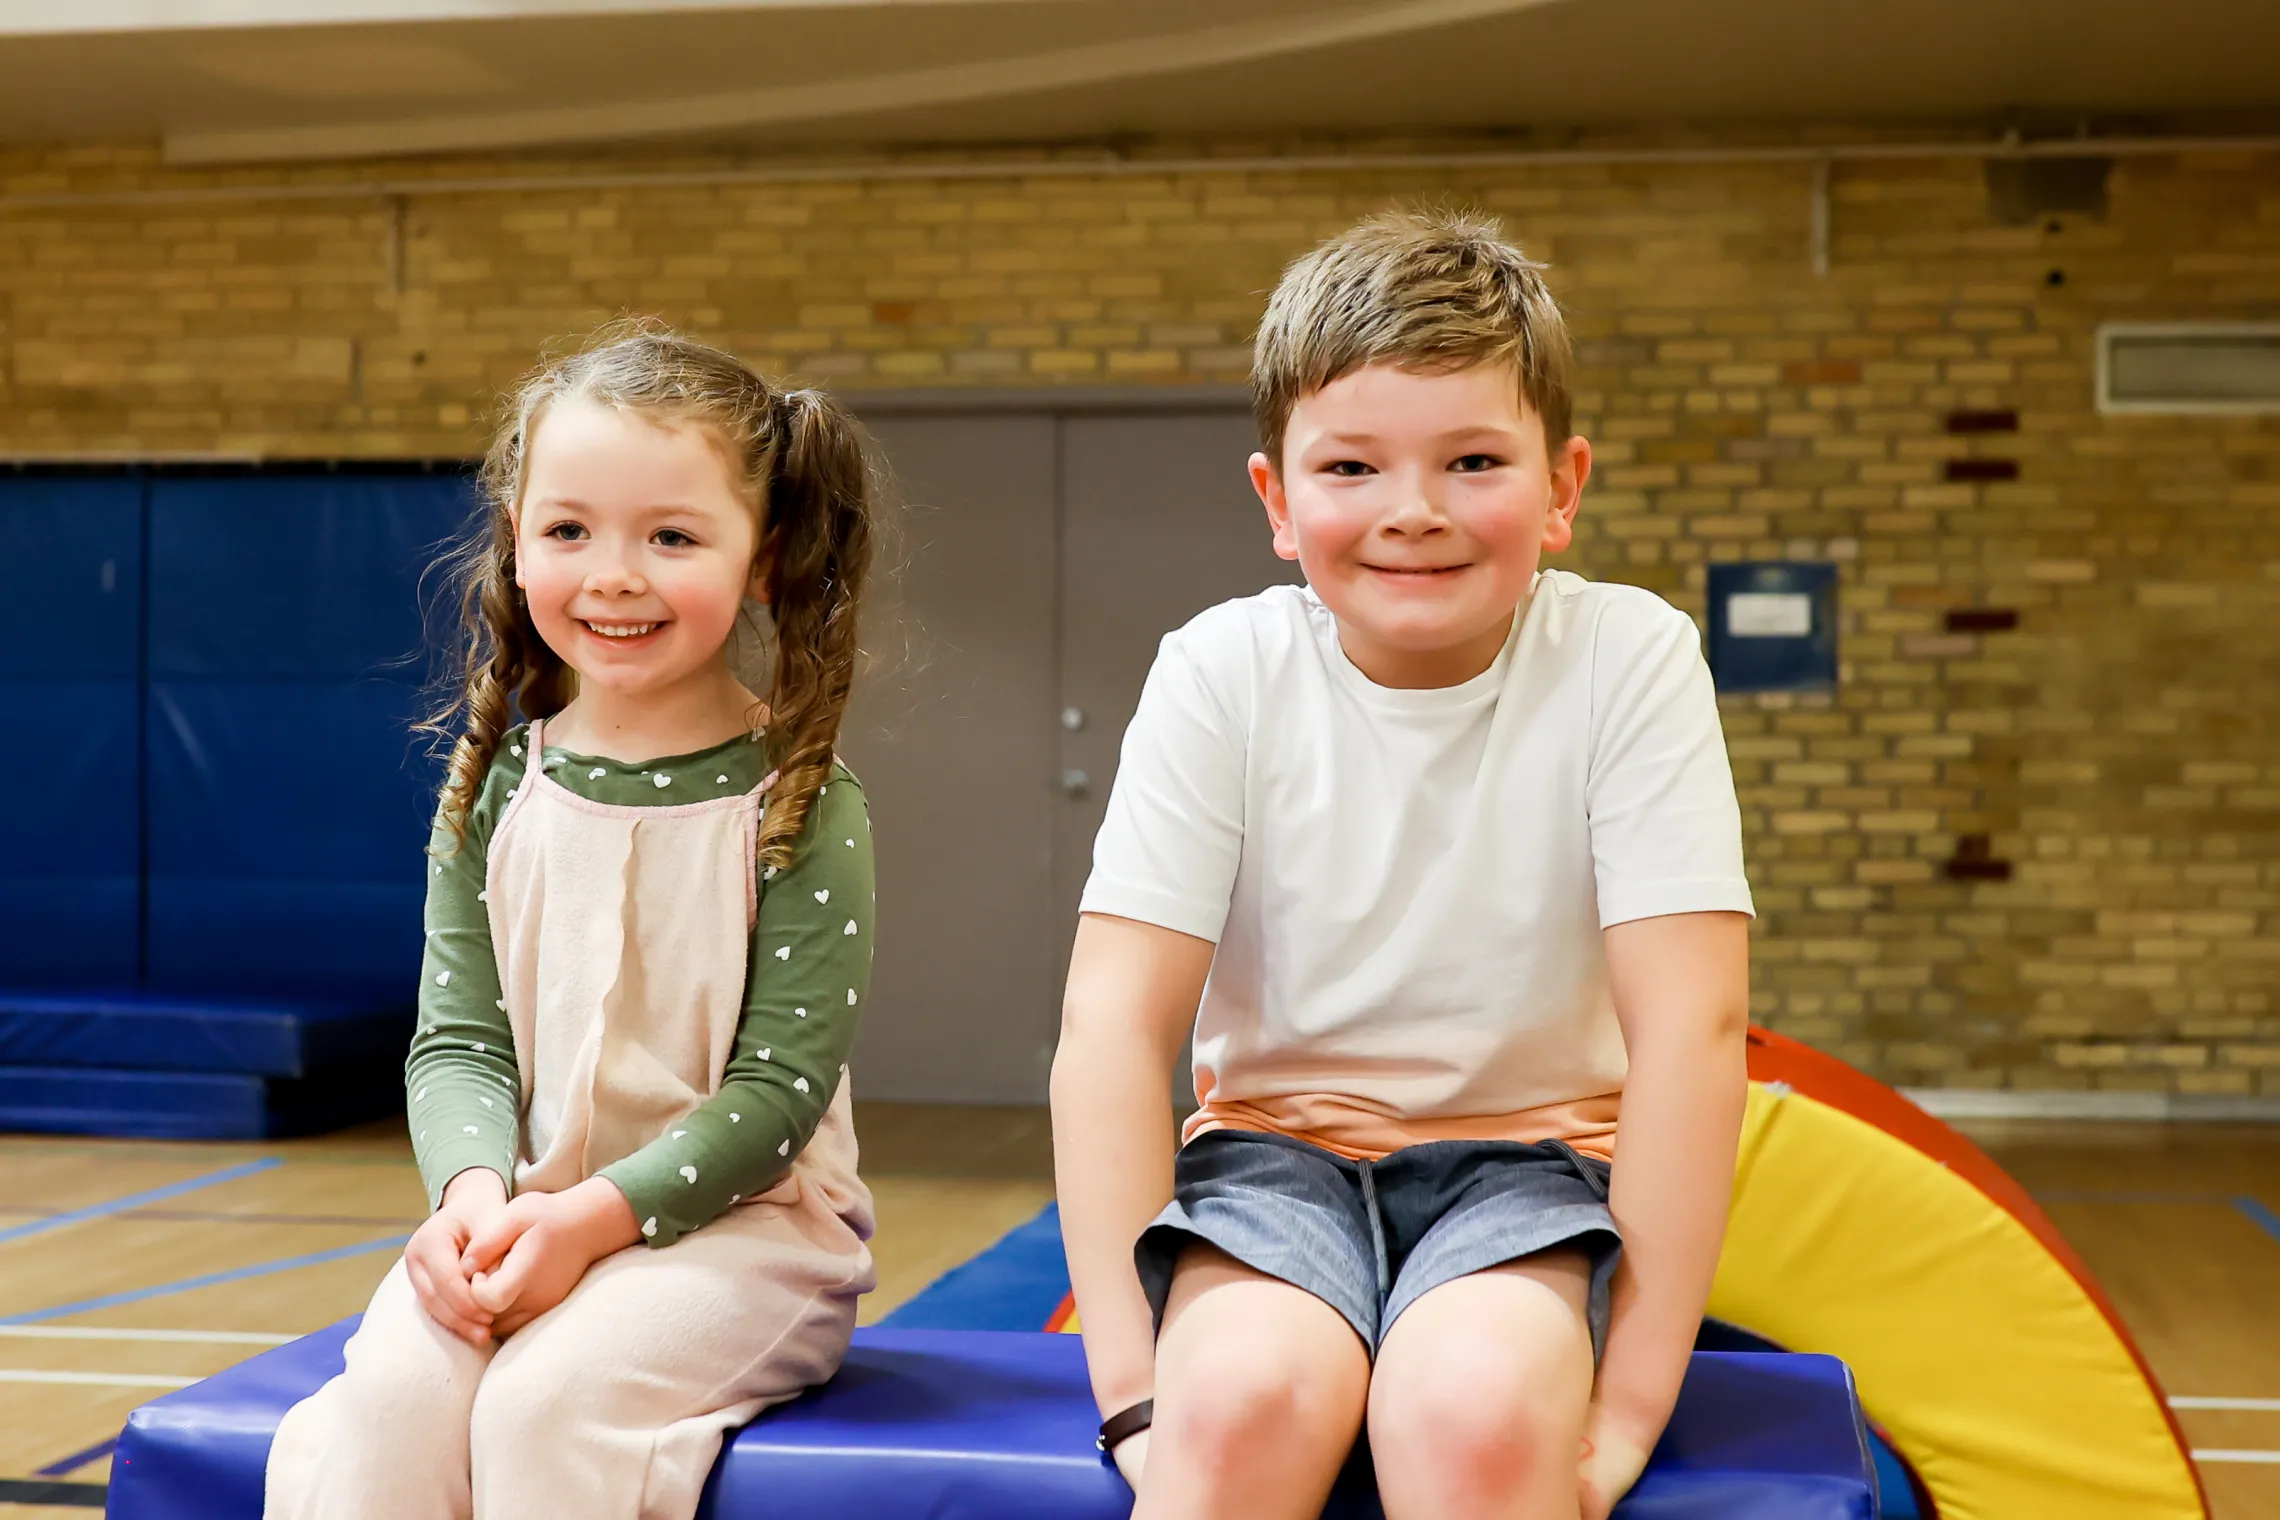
pixel 70 836
pixel 288 801
pixel 182 1105
pixel 287 824
pixel 930 1424
pixel 70 646
pixel 64 614
pixel 155 1032
pixel 295 575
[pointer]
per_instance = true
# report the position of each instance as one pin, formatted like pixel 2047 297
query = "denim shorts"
pixel 1370 1238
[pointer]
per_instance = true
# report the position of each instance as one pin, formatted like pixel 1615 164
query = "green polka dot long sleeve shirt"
pixel 464 1096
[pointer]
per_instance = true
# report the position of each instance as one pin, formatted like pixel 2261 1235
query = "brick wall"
pixel 2121 747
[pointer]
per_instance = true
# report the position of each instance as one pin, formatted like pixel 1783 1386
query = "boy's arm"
pixel 1681 987
pixel 1132 996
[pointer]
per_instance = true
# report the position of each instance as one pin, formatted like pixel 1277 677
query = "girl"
pixel 648 939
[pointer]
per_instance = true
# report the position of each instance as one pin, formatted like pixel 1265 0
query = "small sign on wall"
pixel 1773 626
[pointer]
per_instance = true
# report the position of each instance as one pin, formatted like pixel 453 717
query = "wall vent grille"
pixel 2189 367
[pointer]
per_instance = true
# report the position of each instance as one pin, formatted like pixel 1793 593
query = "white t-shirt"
pixel 1407 888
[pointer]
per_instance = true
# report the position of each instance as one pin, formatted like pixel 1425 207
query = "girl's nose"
pixel 616 578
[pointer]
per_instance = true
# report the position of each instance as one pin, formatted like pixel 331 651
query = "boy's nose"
pixel 1416 513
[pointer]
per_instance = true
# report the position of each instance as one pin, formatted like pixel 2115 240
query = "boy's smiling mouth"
pixel 1417 572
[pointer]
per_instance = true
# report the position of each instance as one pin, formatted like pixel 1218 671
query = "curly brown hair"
pixel 796 457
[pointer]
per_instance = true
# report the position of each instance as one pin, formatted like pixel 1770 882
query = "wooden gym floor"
pixel 127 1267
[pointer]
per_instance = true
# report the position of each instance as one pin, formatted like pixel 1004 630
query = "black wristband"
pixel 1123 1425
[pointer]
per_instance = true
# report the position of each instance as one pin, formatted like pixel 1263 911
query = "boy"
pixel 1448 853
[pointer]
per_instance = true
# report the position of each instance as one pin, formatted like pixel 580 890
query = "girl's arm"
pixel 808 971
pixel 462 1094
pixel 1681 987
pixel 1132 996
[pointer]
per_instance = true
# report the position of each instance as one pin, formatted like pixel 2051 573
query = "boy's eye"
pixel 567 532
pixel 672 538
pixel 1346 468
pixel 1473 464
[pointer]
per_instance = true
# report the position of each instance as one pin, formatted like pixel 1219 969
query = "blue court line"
pixel 136 1200
pixel 211 1279
pixel 2255 1209
pixel 2260 1216
pixel 79 1459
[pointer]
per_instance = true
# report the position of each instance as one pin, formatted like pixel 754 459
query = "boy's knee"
pixel 1486 1422
pixel 1234 1400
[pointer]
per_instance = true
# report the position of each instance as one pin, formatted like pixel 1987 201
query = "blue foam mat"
pixel 182 1105
pixel 1016 1284
pixel 138 1030
pixel 926 1424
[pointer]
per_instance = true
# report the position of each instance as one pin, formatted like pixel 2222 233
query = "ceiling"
pixel 271 80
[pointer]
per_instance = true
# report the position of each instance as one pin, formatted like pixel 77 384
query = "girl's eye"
pixel 673 538
pixel 567 532
pixel 1347 469
pixel 1473 464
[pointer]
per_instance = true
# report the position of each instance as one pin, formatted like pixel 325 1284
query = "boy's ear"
pixel 1570 468
pixel 1267 481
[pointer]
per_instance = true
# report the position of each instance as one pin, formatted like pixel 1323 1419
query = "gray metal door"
pixel 1158 522
pixel 953 736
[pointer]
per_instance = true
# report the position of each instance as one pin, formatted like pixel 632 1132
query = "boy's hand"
pixel 1131 1455
pixel 471 1201
pixel 528 1256
pixel 1612 1462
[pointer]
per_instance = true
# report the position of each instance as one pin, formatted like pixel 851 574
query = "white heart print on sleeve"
pixel 689 1174
pixel 783 952
pixel 649 1228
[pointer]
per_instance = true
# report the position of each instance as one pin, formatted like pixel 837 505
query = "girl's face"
pixel 632 547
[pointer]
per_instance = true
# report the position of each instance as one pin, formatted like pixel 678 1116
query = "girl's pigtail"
pixel 503 664
pixel 818 532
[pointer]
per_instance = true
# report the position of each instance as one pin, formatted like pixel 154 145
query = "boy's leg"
pixel 1260 1389
pixel 1477 1406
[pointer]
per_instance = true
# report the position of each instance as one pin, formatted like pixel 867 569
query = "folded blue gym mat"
pixel 161 1066
pixel 998 1425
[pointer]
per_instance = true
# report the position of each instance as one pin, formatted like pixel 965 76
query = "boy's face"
pixel 1418 505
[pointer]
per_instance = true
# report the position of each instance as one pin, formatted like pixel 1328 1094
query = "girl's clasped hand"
pixel 484 1266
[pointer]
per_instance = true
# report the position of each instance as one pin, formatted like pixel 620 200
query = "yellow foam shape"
pixel 1996 1375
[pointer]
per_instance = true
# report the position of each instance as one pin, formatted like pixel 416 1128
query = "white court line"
pixel 2262 1458
pixel 188 1337
pixel 94 1379
pixel 2261 1406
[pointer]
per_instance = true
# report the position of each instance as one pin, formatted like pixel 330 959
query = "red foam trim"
pixel 1825 1079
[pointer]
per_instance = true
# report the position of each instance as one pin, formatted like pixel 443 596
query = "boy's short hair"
pixel 1429 289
